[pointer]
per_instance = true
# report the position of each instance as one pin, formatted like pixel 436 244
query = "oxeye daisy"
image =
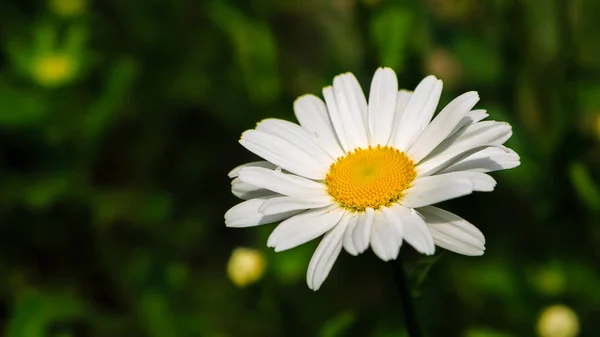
pixel 366 174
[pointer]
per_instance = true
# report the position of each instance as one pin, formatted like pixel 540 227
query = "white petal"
pixel 362 233
pixel 325 255
pixel 298 136
pixel 442 125
pixel 312 114
pixel 487 160
pixel 418 112
pixel 285 204
pixel 382 105
pixel 416 232
pixel 463 142
pixel 481 133
pixel 440 163
pixel 262 163
pixel 247 191
pixel 402 100
pixel 245 214
pixel 284 154
pixel 482 182
pixel 352 106
pixel 472 117
pixel 282 183
pixel 304 227
pixel 452 232
pixel 336 120
pixel 386 234
pixel 433 189
pixel 348 242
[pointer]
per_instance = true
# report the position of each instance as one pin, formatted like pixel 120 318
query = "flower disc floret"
pixel 370 178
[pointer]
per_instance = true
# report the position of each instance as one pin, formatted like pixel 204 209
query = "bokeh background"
pixel 119 120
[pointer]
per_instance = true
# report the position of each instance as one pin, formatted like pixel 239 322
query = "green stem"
pixel 410 319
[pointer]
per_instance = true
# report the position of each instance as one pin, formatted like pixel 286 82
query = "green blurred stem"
pixel 410 319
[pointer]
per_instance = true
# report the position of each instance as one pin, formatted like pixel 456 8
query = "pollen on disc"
pixel 372 177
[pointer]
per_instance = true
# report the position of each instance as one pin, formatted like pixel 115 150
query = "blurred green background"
pixel 119 121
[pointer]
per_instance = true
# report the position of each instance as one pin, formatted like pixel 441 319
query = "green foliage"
pixel 390 29
pixel 585 186
pixel 338 325
pixel 255 50
pixel 482 332
pixel 20 107
pixel 119 121
pixel 34 312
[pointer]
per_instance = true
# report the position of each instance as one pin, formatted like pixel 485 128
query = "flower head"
pixel 558 321
pixel 366 173
pixel 245 266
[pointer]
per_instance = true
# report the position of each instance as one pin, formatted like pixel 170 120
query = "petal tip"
pixel 387 70
pixel 303 98
pixel 246 133
pixel 271 241
pixel 352 252
pixel 313 287
pixel 343 77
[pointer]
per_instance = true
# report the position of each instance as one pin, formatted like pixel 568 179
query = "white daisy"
pixel 366 174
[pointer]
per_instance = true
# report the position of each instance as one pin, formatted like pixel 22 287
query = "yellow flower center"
pixel 372 177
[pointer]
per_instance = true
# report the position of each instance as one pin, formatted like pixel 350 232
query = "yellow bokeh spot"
pixel 68 8
pixel 51 70
pixel 372 177
pixel 550 280
pixel 558 321
pixel 245 266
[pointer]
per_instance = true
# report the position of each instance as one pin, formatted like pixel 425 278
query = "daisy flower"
pixel 366 174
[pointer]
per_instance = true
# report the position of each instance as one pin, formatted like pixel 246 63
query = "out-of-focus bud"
pixel 53 69
pixel 245 266
pixel 68 8
pixel 441 63
pixel 558 321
